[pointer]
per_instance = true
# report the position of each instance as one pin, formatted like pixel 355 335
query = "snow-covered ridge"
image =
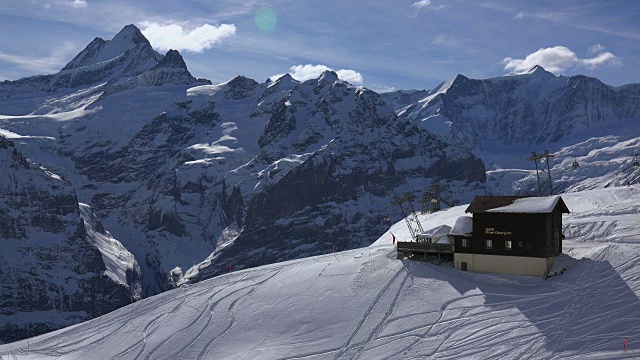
pixel 505 119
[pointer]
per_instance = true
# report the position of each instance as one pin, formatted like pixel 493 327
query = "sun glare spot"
pixel 265 19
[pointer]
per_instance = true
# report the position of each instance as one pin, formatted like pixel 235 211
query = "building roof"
pixel 534 205
pixel 442 229
pixel 483 203
pixel 517 204
pixel 462 227
pixel 445 240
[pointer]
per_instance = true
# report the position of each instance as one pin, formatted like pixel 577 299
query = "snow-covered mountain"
pixel 191 177
pixel 505 119
pixel 536 108
pixel 127 58
pixel 365 303
pixel 58 265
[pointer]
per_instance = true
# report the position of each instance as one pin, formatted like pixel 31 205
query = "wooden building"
pixel 511 235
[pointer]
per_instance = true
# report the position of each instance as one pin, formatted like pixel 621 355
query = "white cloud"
pixel 42 64
pixel 605 58
pixel 174 36
pixel 77 4
pixel 426 4
pixel 557 59
pixel 350 76
pixel 421 3
pixel 306 72
pixel 382 88
pixel 446 40
pixel 596 49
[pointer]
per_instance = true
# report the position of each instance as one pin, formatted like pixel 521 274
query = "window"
pixel 507 245
pixel 465 242
pixel 489 244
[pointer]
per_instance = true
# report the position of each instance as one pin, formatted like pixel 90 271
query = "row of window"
pixel 508 244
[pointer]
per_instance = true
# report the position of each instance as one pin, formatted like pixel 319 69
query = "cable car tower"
pixel 411 218
pixel 543 166
pixel 432 200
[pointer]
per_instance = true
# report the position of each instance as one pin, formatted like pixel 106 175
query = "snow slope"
pixel 366 304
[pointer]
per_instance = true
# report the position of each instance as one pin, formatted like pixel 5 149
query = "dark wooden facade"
pixel 529 234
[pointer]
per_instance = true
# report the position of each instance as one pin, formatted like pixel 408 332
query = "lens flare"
pixel 265 19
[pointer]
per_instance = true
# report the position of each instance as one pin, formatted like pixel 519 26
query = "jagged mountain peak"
pixel 172 59
pixel 127 60
pixel 87 55
pixel 100 50
pixel 129 37
pixel 284 78
pixel 537 70
pixel 328 76
pixel 240 87
pixel 285 82
pixel 130 33
pixel 242 82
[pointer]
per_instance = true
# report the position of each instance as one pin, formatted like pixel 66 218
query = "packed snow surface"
pixel 367 304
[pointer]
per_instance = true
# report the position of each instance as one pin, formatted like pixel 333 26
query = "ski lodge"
pixel 510 235
pixel 505 235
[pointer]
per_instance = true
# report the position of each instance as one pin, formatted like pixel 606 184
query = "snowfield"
pixel 366 304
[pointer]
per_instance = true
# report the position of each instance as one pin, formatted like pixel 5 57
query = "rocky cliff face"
pixel 536 108
pixel 56 265
pixel 323 160
pixel 241 160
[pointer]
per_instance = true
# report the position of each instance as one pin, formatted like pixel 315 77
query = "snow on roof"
pixel 463 226
pixel 442 229
pixel 445 240
pixel 530 205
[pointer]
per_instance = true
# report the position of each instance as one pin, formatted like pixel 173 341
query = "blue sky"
pixel 383 45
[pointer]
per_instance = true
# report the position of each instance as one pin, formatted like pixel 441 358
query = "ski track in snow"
pixel 365 304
